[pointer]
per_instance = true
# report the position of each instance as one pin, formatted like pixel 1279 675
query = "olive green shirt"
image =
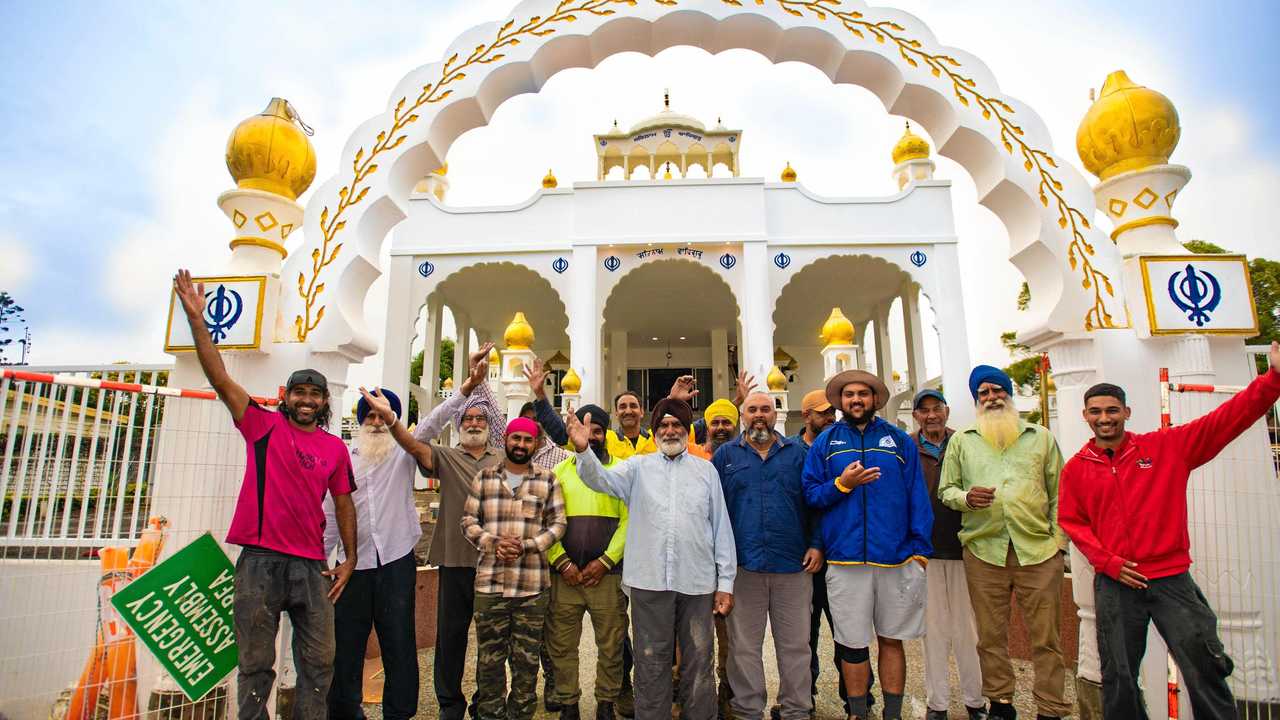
pixel 1025 509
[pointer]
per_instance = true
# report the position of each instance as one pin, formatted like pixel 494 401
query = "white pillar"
pixel 720 380
pixel 617 365
pixel 755 343
pixel 884 350
pixel 461 347
pixel 397 350
pixel 914 337
pixel 431 352
pixel 584 322
pixel 953 336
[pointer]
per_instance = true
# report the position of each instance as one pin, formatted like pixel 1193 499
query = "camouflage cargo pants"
pixel 508 631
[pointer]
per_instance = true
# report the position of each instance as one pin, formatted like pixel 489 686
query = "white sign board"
pixel 1199 294
pixel 232 314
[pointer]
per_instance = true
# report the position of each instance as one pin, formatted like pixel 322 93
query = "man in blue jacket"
pixel 778 550
pixel 864 475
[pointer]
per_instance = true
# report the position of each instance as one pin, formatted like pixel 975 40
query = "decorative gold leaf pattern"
pixel 1035 161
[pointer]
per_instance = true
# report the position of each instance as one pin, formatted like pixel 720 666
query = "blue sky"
pixel 113 118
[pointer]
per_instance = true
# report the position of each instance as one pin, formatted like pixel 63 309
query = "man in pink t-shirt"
pixel 291 463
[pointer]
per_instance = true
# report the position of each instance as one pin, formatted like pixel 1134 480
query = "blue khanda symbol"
pixel 727 261
pixel 782 260
pixel 426 268
pixel 222 309
pixel 560 265
pixel 1197 293
pixel 918 258
pixel 612 263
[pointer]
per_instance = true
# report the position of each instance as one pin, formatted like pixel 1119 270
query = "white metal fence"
pixel 76 461
pixel 1258 353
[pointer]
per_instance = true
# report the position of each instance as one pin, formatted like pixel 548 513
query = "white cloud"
pixel 16 265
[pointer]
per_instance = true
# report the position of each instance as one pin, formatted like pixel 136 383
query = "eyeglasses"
pixel 473 419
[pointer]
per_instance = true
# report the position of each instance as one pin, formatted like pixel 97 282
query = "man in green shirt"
pixel 1002 474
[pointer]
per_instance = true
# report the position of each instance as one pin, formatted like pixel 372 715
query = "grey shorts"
pixel 867 601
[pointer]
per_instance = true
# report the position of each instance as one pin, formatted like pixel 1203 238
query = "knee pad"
pixel 852 655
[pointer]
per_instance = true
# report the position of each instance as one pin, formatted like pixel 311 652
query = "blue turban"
pixel 362 407
pixel 989 374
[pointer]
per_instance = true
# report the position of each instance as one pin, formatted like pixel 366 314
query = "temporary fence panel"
pixel 87 455
pixel 1234 522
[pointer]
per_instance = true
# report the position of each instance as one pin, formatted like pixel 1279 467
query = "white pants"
pixel 949 627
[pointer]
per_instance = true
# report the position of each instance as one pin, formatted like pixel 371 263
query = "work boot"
pixel 626 704
pixel 775 712
pixel 604 710
pixel 980 713
pixel 569 712
pixel 549 689
pixel 1002 711
pixel 936 715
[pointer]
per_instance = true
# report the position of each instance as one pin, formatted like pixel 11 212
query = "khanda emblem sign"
pixel 222 309
pixel 1196 293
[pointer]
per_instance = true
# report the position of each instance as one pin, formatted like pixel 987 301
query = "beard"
pixel 518 455
pixel 999 426
pixel 474 438
pixel 720 438
pixel 600 449
pixel 374 444
pixel 672 447
pixel 759 434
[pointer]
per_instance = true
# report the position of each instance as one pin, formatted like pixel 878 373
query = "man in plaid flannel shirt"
pixel 513 515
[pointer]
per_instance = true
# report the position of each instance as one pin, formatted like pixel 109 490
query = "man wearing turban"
pixel 1002 475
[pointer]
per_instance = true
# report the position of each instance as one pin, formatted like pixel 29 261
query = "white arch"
pixel 1044 202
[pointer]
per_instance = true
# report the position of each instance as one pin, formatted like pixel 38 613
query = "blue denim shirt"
pixel 772 526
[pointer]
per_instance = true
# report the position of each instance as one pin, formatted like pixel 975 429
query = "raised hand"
pixel 1275 356
pixel 537 377
pixel 480 355
pixel 379 404
pixel 855 475
pixel 579 435
pixel 684 388
pixel 479 367
pixel 746 384
pixel 192 295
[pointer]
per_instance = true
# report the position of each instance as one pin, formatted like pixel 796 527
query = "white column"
pixel 617 365
pixel 584 322
pixel 755 343
pixel 860 340
pixel 884 349
pixel 626 168
pixel 431 352
pixel 460 349
pixel 721 382
pixel 914 336
pixel 953 337
pixel 396 353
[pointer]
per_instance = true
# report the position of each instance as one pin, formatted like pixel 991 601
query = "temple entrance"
pixel 665 319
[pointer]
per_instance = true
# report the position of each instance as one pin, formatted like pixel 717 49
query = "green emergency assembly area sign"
pixel 181 610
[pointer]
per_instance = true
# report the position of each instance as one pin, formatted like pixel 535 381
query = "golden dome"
pixel 448 383
pixel 570 383
pixel 271 151
pixel 910 147
pixel 667 174
pixel 1129 127
pixel 776 381
pixel 897 376
pixel 788 174
pixel 493 356
pixel 837 330
pixel 442 171
pixel 549 182
pixel 519 334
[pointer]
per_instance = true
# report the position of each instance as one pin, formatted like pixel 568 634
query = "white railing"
pixel 1258 355
pixel 75 460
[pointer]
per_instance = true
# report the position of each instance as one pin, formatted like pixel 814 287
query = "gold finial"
pixel 910 147
pixel 448 384
pixel 667 175
pixel 519 334
pixel 570 383
pixel 549 182
pixel 788 173
pixel 442 171
pixel 837 330
pixel 1129 127
pixel 776 381
pixel 666 98
pixel 271 151
pixel 493 356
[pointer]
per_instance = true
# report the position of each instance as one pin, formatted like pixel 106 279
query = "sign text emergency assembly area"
pixel 181 610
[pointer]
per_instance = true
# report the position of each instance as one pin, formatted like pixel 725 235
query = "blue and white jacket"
pixel 887 522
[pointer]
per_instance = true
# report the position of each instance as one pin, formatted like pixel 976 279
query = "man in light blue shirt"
pixel 681 561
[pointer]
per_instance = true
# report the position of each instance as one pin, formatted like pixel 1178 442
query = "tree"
pixel 415 372
pixel 10 314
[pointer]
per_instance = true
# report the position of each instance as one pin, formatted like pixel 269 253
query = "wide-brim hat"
pixel 836 384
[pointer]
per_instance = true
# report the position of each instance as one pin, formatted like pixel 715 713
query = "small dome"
pixel 271 151
pixel 448 384
pixel 776 381
pixel 788 174
pixel 493 356
pixel 1129 127
pixel 571 383
pixel 549 182
pixel 519 334
pixel 837 330
pixel 442 171
pixel 667 118
pixel 910 147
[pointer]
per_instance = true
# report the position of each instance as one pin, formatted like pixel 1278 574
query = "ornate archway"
pixel 1043 202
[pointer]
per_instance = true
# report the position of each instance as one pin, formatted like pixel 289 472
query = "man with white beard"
pixel 1002 474
pixel 380 594
pixel 680 558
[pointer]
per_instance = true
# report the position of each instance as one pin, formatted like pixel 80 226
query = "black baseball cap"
pixel 307 377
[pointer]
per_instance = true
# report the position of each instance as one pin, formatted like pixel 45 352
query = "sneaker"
pixel 569 712
pixel 549 689
pixel 978 713
pixel 775 712
pixel 936 715
pixel 1002 711
pixel 604 710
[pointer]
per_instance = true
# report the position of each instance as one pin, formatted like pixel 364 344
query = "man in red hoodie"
pixel 1123 502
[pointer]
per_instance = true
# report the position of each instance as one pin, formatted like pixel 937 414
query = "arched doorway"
pixel 668 318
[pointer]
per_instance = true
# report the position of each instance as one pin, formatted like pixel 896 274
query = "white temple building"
pixel 629 283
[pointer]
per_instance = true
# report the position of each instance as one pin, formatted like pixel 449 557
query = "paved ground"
pixel 829 705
